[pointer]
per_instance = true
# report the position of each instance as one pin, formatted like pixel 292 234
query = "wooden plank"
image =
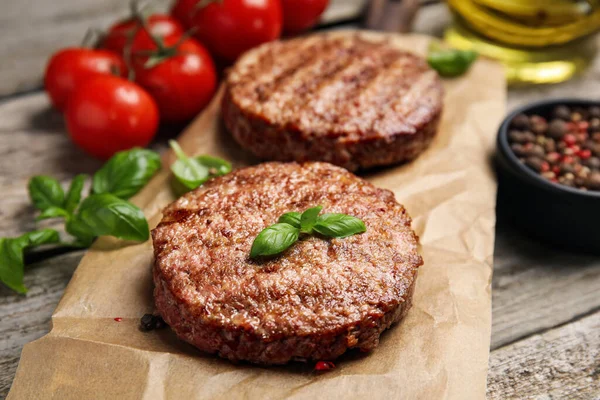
pixel 536 287
pixel 26 318
pixel 563 363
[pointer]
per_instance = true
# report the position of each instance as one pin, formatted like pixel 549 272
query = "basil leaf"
pixel 45 192
pixel 82 232
pixel 339 225
pixel 106 214
pixel 217 166
pixel 308 219
pixel 11 256
pixel 126 173
pixel 187 170
pixel 292 218
pixel 451 62
pixel 73 196
pixel 53 212
pixel 42 236
pixel 274 239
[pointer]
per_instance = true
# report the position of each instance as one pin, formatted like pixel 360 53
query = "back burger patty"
pixel 351 99
pixel 314 301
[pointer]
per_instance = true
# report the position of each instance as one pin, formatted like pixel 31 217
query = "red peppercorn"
pixel 324 366
pixel 556 169
pixel 584 154
pixel 552 157
pixel 545 167
pixel 118 319
pixel 569 139
pixel 583 126
pixel 575 148
pixel 567 159
pixel 554 180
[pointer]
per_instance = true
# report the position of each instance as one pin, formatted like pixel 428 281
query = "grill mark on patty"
pixel 301 61
pixel 361 62
pixel 369 109
pixel 265 67
pixel 329 110
pixel 410 109
pixel 305 80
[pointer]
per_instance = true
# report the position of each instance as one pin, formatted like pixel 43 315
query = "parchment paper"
pixel 440 351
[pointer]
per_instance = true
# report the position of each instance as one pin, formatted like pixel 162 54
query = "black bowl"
pixel 558 214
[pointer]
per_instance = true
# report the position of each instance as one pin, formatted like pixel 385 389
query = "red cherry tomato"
pixel 108 114
pixel 183 11
pixel 182 84
pixel 230 28
pixel 167 28
pixel 300 15
pixel 69 68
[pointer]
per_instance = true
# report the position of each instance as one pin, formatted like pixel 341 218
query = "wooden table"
pixel 546 302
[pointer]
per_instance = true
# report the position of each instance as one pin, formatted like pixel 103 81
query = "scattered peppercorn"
pixel 118 319
pixel 562 148
pixel 324 366
pixel 150 322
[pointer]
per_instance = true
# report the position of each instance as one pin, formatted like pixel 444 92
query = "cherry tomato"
pixel 300 15
pixel 230 27
pixel 108 114
pixel 183 11
pixel 167 28
pixel 69 68
pixel 182 84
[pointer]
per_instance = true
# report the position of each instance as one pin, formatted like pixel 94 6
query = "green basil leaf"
pixel 451 62
pixel 274 239
pixel 308 219
pixel 339 225
pixel 73 196
pixel 189 171
pixel 53 212
pixel 45 192
pixel 11 256
pixel 11 264
pixel 106 214
pixel 40 237
pixel 217 166
pixel 80 231
pixel 126 173
pixel 292 218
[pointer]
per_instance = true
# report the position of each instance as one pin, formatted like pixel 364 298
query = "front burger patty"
pixel 354 100
pixel 314 301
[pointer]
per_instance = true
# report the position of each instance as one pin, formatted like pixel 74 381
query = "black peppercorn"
pixel 562 112
pixel 557 129
pixel 521 122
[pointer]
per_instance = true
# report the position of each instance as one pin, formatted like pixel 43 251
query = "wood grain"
pixel 26 318
pixel 536 288
pixel 562 363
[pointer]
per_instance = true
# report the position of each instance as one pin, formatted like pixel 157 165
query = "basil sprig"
pixel 126 173
pixel 11 256
pixel 191 172
pixel 280 236
pixel 450 62
pixel 104 212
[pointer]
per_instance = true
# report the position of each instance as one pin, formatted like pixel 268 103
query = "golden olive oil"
pixel 539 41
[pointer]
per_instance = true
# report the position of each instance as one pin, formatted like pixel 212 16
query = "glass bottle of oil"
pixel 539 41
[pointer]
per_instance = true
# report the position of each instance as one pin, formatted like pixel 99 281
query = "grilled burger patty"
pixel 353 100
pixel 314 301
